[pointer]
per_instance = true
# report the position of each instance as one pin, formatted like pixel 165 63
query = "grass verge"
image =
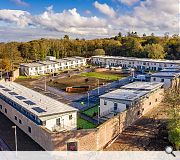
pixel 105 76
pixel 84 124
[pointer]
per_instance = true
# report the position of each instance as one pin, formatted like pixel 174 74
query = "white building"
pixel 32 69
pixel 51 65
pixel 170 78
pixel 50 58
pixel 146 94
pixel 139 63
pixel 30 110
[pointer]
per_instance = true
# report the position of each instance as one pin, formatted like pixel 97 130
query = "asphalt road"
pixel 25 143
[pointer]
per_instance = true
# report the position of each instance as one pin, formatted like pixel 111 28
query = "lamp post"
pixel 15 136
pixel 1 74
pixel 98 86
pixel 88 99
pixel 45 83
pixel 98 114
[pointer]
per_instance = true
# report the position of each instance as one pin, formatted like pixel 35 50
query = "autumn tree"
pixel 154 51
pixel 99 52
pixel 172 102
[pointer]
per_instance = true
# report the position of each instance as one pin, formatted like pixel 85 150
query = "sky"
pixel 24 20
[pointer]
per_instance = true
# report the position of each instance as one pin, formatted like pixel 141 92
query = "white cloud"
pixel 71 21
pixel 128 2
pixel 157 16
pixel 20 3
pixel 105 9
pixel 21 18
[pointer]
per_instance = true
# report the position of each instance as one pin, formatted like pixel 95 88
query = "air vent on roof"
pixel 2 86
pixel 20 97
pixel 7 90
pixel 38 109
pixel 13 93
pixel 29 102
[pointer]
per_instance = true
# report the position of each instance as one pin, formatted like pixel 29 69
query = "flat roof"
pixel 47 62
pixel 70 59
pixel 139 59
pixel 166 74
pixel 124 94
pixel 34 64
pixel 60 60
pixel 171 70
pixel 148 86
pixel 38 104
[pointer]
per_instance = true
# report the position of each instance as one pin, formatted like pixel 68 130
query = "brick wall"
pixel 98 138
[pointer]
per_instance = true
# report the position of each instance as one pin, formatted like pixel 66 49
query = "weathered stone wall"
pixel 96 139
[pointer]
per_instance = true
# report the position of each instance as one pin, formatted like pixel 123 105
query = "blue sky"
pixel 23 20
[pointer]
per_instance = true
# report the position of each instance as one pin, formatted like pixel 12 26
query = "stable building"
pixel 132 62
pixel 170 78
pixel 34 113
pixel 144 94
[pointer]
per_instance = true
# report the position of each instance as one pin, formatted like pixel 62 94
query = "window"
pixel 0 106
pixel 15 118
pixel 149 103
pixel 44 123
pixel 20 121
pixel 105 103
pixel 72 146
pixel 115 106
pixel 162 80
pixel 154 79
pixel 138 113
pixel 70 117
pixel 156 100
pixel 29 129
pixel 5 110
pixel 58 122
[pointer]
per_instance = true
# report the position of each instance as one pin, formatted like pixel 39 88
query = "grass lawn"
pixel 84 124
pixel 106 76
pixel 90 112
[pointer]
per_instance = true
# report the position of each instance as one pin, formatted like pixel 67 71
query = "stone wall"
pixel 98 138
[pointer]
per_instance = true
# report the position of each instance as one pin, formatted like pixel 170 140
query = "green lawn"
pixel 84 124
pixel 90 112
pixel 105 76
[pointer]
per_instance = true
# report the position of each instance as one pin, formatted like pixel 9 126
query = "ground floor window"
pixel 70 117
pixel 72 146
pixel 15 118
pixel 20 121
pixel 115 106
pixel 0 106
pixel 58 122
pixel 5 110
pixel 29 129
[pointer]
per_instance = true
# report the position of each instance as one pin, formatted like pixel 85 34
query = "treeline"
pixel 130 45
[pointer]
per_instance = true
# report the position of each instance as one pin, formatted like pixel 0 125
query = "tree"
pixel 99 52
pixel 131 47
pixel 66 37
pixel 155 51
pixel 172 102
